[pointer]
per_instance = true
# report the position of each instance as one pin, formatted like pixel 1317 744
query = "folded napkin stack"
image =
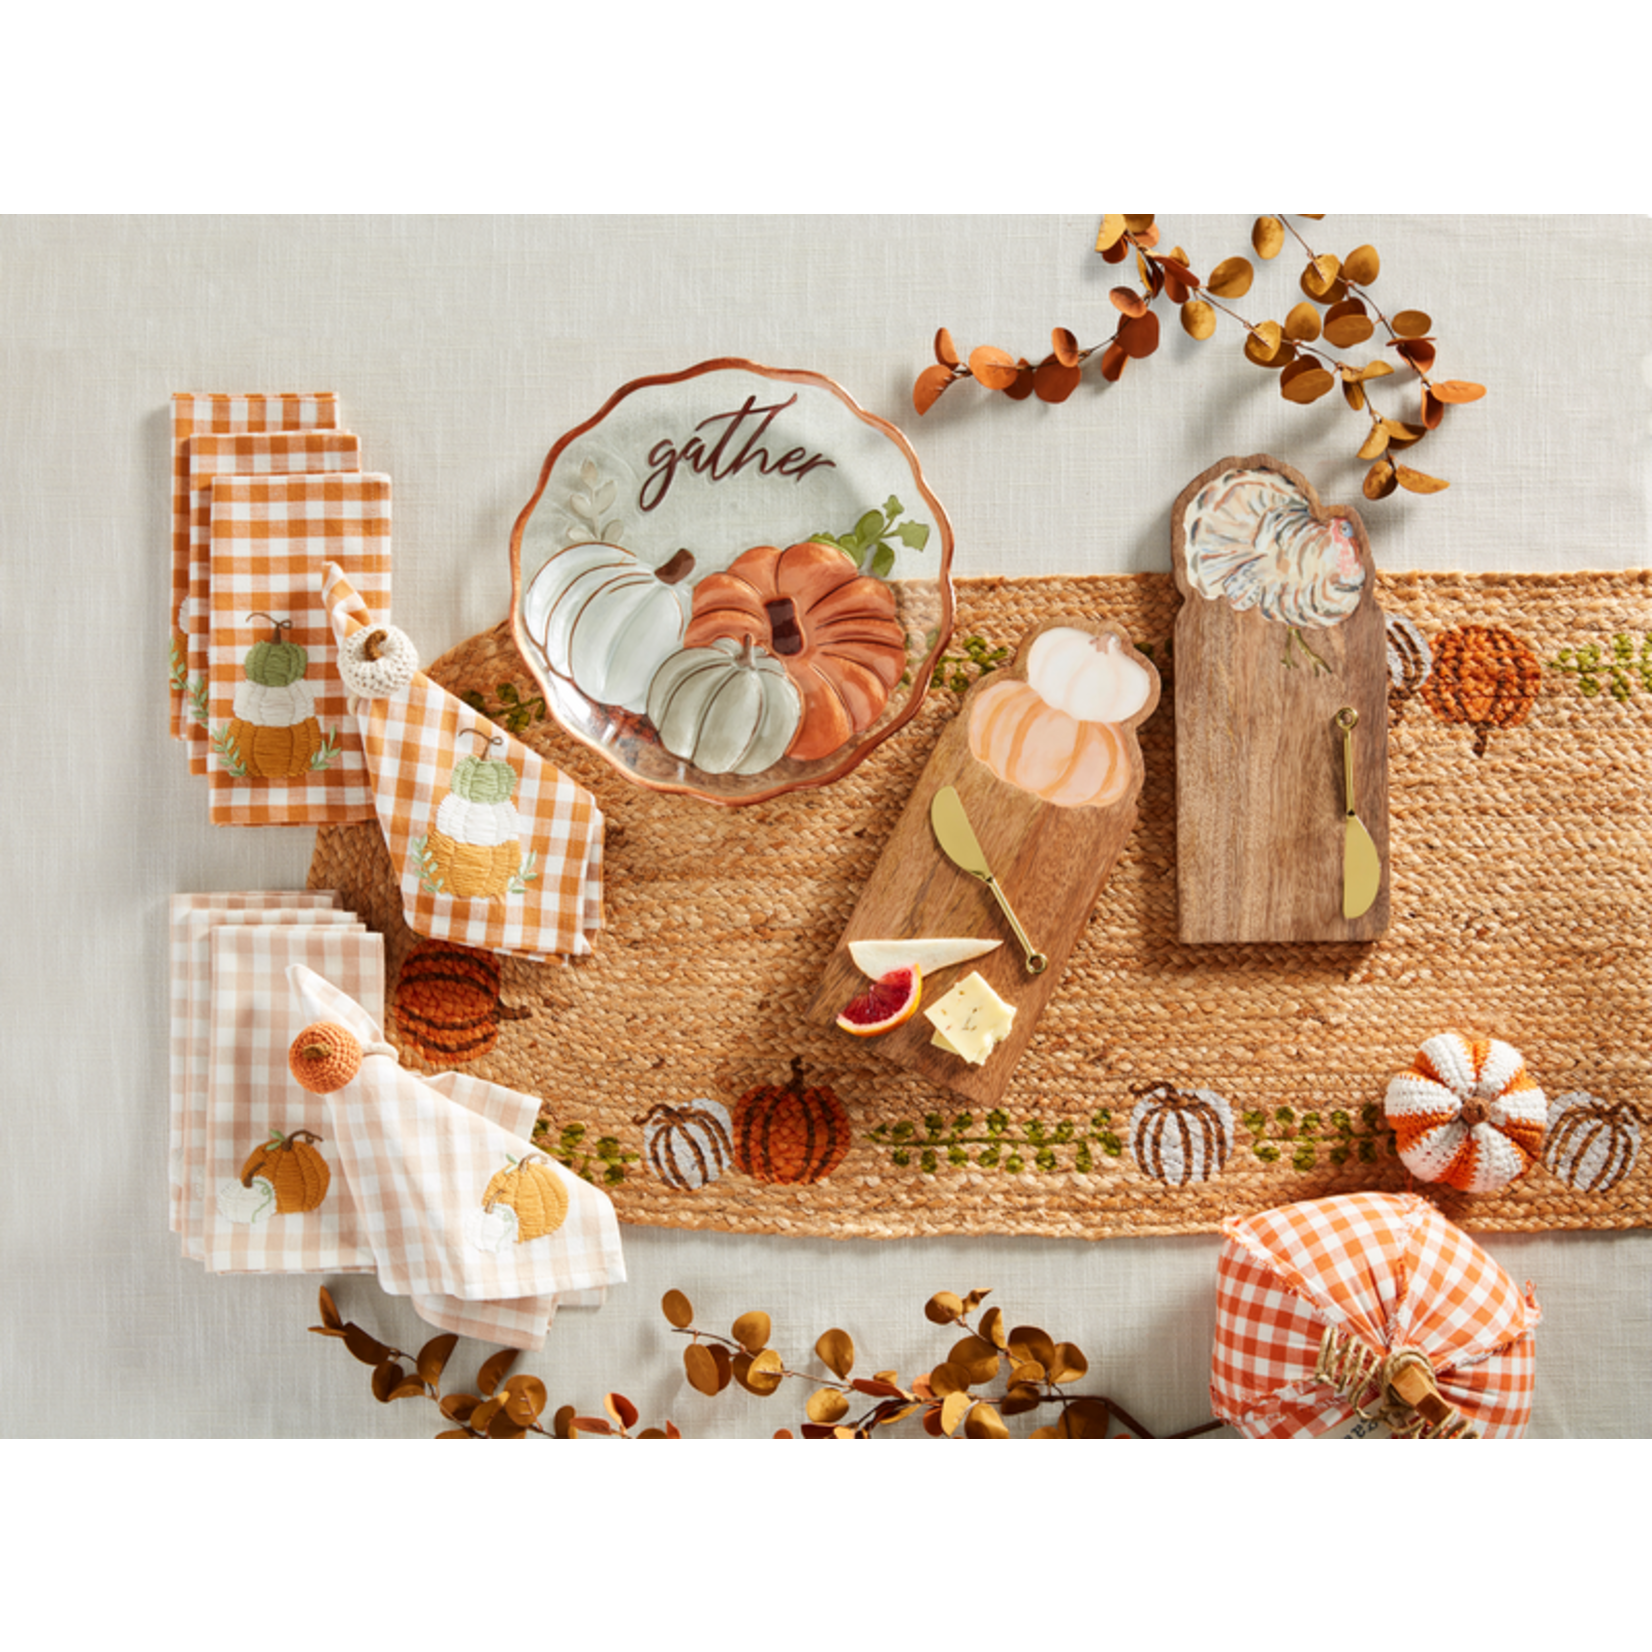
pixel 270 1177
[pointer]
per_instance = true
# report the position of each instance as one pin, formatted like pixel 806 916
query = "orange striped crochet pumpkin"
pixel 1467 1113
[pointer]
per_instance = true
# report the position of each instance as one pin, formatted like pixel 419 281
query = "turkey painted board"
pixel 1279 630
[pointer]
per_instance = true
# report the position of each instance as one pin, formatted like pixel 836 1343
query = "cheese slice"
pixel 877 958
pixel 971 1020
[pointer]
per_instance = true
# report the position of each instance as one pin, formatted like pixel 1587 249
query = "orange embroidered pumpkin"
pixel 1467 1113
pixel 832 627
pixel 534 1191
pixel 1060 734
pixel 788 1133
pixel 324 1057
pixel 291 1165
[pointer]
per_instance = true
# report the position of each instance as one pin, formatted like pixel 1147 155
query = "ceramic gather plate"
pixel 732 581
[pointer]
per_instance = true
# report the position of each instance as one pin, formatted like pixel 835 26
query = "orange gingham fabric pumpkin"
pixel 1314 1301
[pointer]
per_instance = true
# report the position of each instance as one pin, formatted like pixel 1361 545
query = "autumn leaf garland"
pixel 1337 313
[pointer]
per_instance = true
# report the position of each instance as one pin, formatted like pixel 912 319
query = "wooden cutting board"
pixel 1271 641
pixel 1051 859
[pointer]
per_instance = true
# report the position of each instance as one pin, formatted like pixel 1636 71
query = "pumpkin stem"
pixel 491 740
pixel 797 1077
pixel 1475 1112
pixel 677 569
pixel 785 634
pixel 373 644
pixel 302 1135
pixel 280 625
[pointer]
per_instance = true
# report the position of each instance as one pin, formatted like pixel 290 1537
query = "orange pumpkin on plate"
pixel 832 627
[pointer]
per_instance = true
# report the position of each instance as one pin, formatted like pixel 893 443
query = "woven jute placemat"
pixel 1168 1086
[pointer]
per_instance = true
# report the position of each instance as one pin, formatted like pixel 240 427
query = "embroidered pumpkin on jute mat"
pixel 1521 834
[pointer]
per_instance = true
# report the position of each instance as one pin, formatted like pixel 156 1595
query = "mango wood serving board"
pixel 1051 860
pixel 1279 629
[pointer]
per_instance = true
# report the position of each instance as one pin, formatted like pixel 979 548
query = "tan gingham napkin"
pixel 299 1214
pixel 453 1202
pixel 192 917
pixel 272 453
pixel 285 750
pixel 493 846
pixel 228 414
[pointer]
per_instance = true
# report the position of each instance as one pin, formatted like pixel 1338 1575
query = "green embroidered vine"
pixel 603 1161
pixel 229 754
pixel 179 670
pixel 198 701
pixel 512 712
pixel 430 873
pixel 1338 1134
pixel 1622 670
pixel 327 751
pixel 935 1143
pixel 524 874
pixel 872 533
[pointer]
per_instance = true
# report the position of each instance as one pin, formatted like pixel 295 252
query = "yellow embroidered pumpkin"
pixel 534 1192
pixel 1057 735
pixel 291 1165
pixel 1467 1113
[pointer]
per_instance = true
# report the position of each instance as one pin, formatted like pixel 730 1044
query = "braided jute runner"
pixel 1521 821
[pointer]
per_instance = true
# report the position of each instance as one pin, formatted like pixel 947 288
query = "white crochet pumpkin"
pixel 377 662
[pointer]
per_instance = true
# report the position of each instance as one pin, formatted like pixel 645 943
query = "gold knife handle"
pixel 1345 720
pixel 1037 963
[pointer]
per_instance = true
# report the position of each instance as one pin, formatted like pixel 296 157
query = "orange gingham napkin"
pixel 1391 1271
pixel 421 1165
pixel 251 1094
pixel 196 411
pixel 271 536
pixel 272 453
pixel 191 964
pixel 418 740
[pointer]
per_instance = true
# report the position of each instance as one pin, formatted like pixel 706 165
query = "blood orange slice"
pixel 890 1000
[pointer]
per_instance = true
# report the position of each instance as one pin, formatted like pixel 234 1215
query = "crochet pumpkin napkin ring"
pixel 325 1057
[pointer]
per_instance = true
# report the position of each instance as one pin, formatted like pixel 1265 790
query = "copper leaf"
pixel 433 1357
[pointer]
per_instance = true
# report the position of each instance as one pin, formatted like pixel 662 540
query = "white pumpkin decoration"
pixel 1091 678
pixel 378 662
pixel 274 705
pixel 606 620
pixel 728 708
pixel 249 1206
pixel 493 1229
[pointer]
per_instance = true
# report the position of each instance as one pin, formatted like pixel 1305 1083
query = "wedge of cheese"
pixel 971 1020
pixel 877 958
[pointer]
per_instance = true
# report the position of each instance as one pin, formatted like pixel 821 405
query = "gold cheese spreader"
pixel 963 848
pixel 1361 866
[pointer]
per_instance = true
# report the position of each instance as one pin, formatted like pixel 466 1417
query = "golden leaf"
pixel 1267 236
pixel 562 1424
pixel 1268 336
pixel 1375 370
pixel 1347 324
pixel 954 1408
pixel 1069 1363
pixel 1051 1431
pixel 887 1419
pixel 1027 1371
pixel 992 1327
pixel 653 1434
pixel 1198 319
pixel 1148 237
pixel 1458 390
pixel 1054 382
pixel 1353 392
pixel 1138 222
pixel 1302 323
pixel 525 1398
pixel 1231 278
pixel 835 1350
pixel 751 1330
pixel 984 1423
pixel 1380 480
pixel 976 1357
pixel 329 1311
pixel 1305 381
pixel 1361 266
pixel 1321 275
pixel 1112 227
pixel 947 1379
pixel 994 368
pixel 1088 1419
pixel 485 1413
pixel 678 1310
pixel 1414 481
pixel 1127 301
pixel 701 1368
pixel 1403 435
pixel 1374 445
pixel 827 1405
pixel 943 1308
pixel 494 1369
pixel 1027 1342
pixel 1412 323
pixel 946 352
pixel 1316 216
pixel 1065 346
pixel 433 1357
pixel 1433 409
pixel 931 382
pixel 1019 1397
pixel 758 1374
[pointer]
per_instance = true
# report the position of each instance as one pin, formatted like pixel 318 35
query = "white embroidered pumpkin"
pixel 493 1230
pixel 728 708
pixel 251 1205
pixel 476 842
pixel 377 662
pixel 274 705
pixel 606 620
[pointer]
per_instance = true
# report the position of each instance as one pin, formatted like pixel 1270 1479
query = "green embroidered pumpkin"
pixel 483 780
pixel 274 663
